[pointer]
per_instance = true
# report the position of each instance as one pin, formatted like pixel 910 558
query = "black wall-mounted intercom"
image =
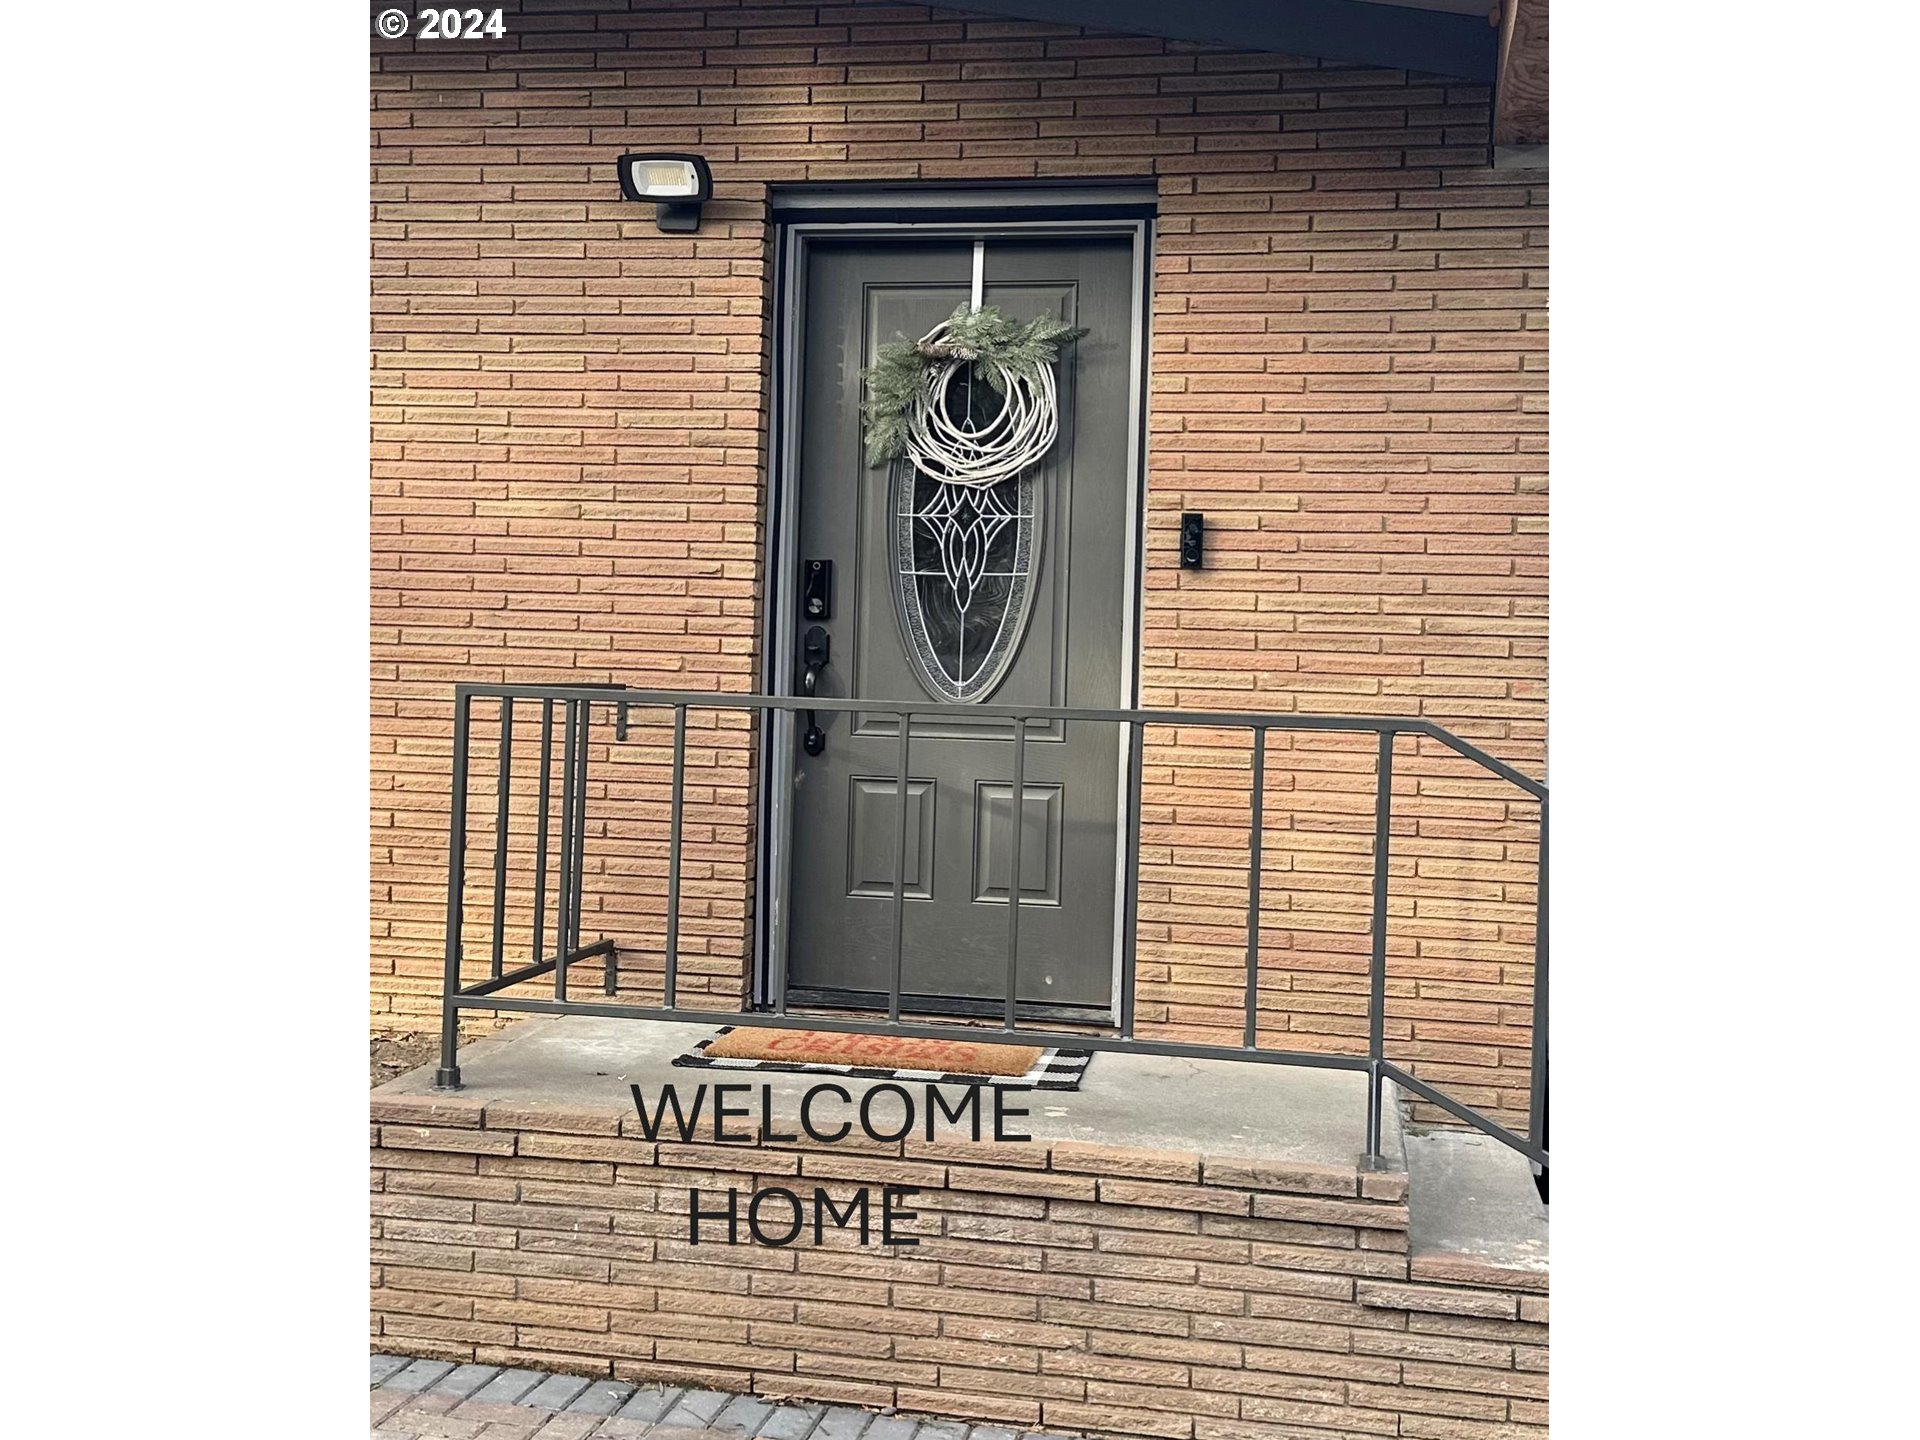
pixel 1193 539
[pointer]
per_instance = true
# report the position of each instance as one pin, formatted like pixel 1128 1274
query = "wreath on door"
pixel 910 416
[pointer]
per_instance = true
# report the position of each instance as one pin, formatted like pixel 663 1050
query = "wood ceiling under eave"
pixel 1520 92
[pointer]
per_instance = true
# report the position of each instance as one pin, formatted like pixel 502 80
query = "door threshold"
pixel 963 1009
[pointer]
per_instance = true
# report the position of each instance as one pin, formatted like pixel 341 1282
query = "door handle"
pixel 814 651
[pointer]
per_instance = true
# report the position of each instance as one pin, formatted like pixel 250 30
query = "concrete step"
pixel 1474 1216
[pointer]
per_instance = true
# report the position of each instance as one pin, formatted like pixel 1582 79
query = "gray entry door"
pixel 1014 596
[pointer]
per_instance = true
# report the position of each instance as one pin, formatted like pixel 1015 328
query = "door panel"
pixel 1066 645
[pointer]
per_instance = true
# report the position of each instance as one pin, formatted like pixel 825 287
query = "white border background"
pixel 185 571
pixel 1731 761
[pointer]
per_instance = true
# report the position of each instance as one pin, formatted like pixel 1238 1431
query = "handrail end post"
pixel 1371 1159
pixel 447 1077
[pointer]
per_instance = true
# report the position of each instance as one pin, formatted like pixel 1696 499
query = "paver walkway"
pixel 415 1399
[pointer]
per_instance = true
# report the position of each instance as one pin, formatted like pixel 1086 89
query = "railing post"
pixel 1017 824
pixel 1130 902
pixel 1537 1086
pixel 673 852
pixel 579 835
pixel 777 727
pixel 610 970
pixel 540 835
pixel 562 924
pixel 501 817
pixel 1252 1038
pixel 448 1075
pixel 1377 970
pixel 900 877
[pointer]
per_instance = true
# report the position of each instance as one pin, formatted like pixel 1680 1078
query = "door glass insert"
pixel 964 558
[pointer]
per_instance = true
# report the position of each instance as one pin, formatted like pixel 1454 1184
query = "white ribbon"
pixel 951 450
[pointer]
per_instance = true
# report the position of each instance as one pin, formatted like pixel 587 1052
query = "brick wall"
pixel 1347 376
pixel 1076 1286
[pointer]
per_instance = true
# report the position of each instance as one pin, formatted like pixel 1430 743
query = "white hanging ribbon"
pixel 947 447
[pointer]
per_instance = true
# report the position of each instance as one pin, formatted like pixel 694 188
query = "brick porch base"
pixel 1065 1283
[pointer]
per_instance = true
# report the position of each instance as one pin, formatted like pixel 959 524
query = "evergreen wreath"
pixel 906 405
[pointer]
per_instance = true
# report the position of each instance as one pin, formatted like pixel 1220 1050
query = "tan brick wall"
pixel 1080 1287
pixel 1347 376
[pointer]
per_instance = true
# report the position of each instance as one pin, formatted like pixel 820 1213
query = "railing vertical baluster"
pixel 579 846
pixel 1253 884
pixel 900 876
pixel 779 724
pixel 500 820
pixel 1016 827
pixel 448 1076
pixel 1377 971
pixel 540 834
pixel 1537 1084
pixel 562 926
pixel 610 961
pixel 610 970
pixel 673 851
pixel 1130 902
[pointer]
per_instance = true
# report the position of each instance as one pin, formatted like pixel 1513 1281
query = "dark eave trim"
pixel 1393 37
pixel 931 203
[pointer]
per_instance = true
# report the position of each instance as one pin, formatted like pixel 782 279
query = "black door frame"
pixel 1023 212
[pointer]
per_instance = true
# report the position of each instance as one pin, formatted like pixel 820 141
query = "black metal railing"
pixel 566 712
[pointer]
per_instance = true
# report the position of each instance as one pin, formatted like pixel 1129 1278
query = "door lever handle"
pixel 814 651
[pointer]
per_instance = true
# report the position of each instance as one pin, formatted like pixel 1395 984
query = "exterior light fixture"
pixel 677 184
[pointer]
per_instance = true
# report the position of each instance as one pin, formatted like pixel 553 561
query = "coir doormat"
pixel 887 1057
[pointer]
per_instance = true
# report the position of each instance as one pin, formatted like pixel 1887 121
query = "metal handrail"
pixel 578 702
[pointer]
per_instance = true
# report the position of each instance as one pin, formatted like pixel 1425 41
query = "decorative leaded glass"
pixel 964 561
pixel 963 578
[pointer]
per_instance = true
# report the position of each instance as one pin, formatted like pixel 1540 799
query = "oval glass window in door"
pixel 964 561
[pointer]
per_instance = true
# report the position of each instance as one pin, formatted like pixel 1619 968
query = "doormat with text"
pixel 888 1057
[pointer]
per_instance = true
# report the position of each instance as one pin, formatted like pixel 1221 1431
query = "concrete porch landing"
pixel 1275 1113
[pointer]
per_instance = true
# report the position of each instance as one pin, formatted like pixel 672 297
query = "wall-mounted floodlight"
pixel 677 184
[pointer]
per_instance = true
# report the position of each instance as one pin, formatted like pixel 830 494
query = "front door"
pixel 1016 595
